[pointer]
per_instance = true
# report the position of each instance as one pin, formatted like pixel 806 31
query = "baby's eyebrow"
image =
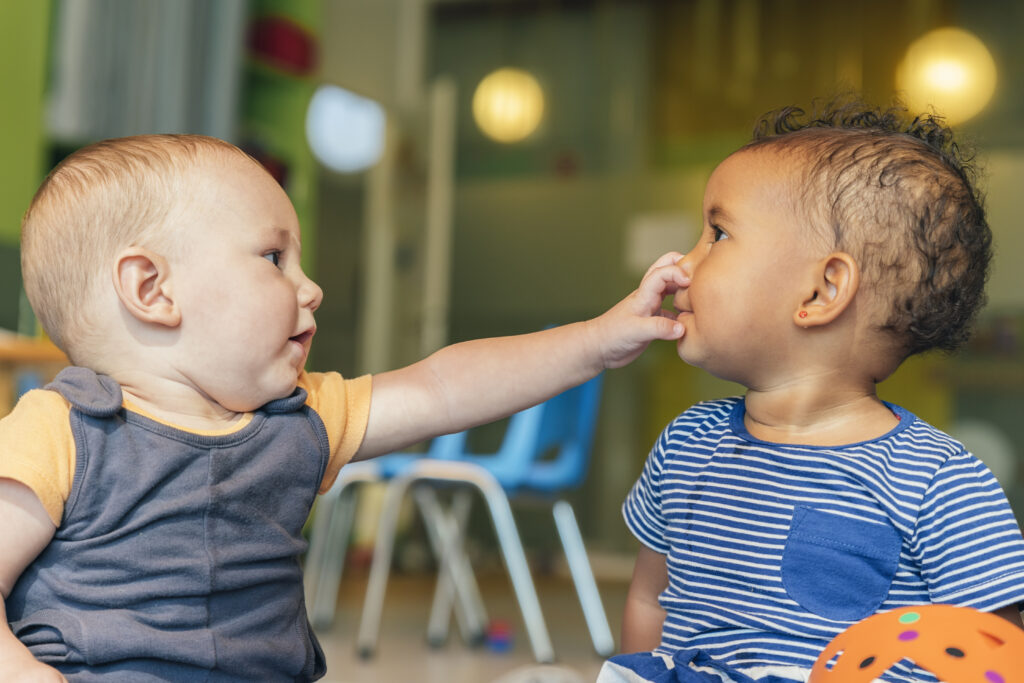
pixel 280 234
pixel 290 237
pixel 717 213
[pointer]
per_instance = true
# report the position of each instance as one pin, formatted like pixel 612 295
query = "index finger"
pixel 661 282
pixel 667 259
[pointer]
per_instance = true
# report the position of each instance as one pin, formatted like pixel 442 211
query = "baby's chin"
pixel 253 402
pixel 687 353
pixel 690 355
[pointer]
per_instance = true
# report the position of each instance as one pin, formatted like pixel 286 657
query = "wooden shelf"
pixel 17 354
pixel 15 349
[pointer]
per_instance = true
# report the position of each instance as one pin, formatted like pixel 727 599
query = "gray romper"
pixel 178 554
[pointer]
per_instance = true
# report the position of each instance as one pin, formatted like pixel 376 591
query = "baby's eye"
pixel 718 234
pixel 274 257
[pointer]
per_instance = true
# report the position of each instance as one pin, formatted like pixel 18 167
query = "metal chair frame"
pixel 566 423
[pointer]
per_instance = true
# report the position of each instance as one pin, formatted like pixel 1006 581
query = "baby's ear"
pixel 143 284
pixel 836 280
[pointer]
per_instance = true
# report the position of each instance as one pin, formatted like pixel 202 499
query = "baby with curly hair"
pixel 835 245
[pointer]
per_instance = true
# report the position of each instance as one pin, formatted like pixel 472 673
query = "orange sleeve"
pixel 38 449
pixel 344 406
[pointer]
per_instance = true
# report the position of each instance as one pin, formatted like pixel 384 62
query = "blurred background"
pixel 465 168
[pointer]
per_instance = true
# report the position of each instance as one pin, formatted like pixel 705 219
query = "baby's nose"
pixel 680 300
pixel 685 264
pixel 310 295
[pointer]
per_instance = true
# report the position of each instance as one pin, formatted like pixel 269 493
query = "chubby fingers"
pixel 665 326
pixel 663 278
pixel 667 259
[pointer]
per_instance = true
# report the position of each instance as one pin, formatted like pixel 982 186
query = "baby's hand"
pixel 625 330
pixel 30 671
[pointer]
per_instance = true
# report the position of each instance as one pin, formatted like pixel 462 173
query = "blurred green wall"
pixel 273 115
pixel 24 28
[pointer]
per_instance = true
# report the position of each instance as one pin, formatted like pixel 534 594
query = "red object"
pixel 802 314
pixel 498 636
pixel 566 164
pixel 284 44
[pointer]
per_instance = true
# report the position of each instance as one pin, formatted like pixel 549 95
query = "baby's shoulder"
pixel 717 410
pixel 917 439
pixel 701 418
pixel 37 406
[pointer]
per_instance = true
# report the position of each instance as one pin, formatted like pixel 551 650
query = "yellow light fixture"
pixel 508 105
pixel 948 69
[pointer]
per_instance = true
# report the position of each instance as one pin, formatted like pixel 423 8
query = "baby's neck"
pixel 824 417
pixel 175 402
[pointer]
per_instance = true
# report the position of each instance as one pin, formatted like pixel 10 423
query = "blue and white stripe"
pixel 719 504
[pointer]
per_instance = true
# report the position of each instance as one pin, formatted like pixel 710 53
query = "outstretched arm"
pixel 480 381
pixel 643 617
pixel 26 530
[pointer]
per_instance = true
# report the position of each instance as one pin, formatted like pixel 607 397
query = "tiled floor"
pixel 403 654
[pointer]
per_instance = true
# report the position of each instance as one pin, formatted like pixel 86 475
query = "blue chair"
pixel 563 427
pixel 332 526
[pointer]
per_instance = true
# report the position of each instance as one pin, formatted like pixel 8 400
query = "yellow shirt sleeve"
pixel 38 449
pixel 344 406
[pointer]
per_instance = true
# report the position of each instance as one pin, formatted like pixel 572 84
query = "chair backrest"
pixel 562 427
pixel 567 427
pixel 446 447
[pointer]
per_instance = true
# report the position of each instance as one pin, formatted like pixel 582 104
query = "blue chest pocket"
pixel 836 567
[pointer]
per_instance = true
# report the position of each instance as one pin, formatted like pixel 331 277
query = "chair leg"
pixel 328 542
pixel 583 577
pixel 518 570
pixel 455 578
pixel 329 562
pixel 508 538
pixel 373 602
pixel 316 554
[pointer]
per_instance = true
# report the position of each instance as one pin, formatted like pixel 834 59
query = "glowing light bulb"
pixel 948 69
pixel 946 75
pixel 508 105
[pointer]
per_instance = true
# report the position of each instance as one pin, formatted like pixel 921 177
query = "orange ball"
pixel 957 644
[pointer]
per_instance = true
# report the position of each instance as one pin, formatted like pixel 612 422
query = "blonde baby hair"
pixel 102 198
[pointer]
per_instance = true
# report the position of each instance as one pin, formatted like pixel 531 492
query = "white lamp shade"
pixel 344 130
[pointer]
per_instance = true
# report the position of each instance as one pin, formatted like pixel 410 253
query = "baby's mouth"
pixel 304 338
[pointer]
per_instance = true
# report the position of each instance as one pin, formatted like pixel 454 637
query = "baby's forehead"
pixel 210 174
pixel 795 169
pixel 771 173
pixel 234 190
pixel 784 158
pixel 775 179
pixel 215 164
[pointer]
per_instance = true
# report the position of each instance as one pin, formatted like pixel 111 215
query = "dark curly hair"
pixel 898 194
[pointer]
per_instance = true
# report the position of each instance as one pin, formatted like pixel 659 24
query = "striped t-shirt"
pixel 773 549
